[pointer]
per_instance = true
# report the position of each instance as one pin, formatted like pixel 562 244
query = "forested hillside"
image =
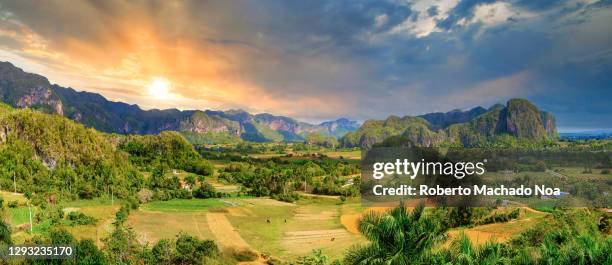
pixel 50 155
pixel 519 122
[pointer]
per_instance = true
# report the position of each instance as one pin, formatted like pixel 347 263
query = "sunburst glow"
pixel 159 88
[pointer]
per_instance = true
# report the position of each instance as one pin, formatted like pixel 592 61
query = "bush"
pixel 500 217
pixel 13 204
pixel 133 202
pixel 291 197
pixel 122 215
pixel 78 218
pixel 605 171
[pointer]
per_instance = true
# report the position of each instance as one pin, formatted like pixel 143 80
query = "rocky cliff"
pixel 518 119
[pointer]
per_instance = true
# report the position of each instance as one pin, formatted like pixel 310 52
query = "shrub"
pixel 291 197
pixel 78 218
pixel 122 215
pixel 13 204
pixel 500 217
pixel 133 202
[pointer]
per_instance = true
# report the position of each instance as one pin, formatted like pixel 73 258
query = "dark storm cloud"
pixel 368 59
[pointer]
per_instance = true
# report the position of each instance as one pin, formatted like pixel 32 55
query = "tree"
pixel 163 252
pixel 205 191
pixel 61 237
pixel 191 180
pixel 88 253
pixel 190 250
pixel 396 237
pixel 121 245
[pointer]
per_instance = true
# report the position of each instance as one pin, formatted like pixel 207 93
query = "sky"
pixel 320 60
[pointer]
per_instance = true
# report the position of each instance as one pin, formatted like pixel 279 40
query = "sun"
pixel 159 88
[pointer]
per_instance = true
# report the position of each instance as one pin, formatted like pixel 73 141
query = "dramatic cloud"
pixel 317 60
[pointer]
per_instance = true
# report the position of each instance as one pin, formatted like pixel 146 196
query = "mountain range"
pixel 519 119
pixel 21 89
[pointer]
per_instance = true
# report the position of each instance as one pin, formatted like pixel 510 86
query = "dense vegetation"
pixel 321 140
pixel 168 149
pixel 281 176
pixel 49 155
pixel 54 158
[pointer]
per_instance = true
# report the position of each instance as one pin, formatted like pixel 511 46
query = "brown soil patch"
pixel 303 242
pixel 224 232
pixel 153 226
pixel 324 215
pixel 240 211
pixel 351 221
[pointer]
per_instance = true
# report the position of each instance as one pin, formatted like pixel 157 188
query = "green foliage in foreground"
pixel 400 237
pixel 396 237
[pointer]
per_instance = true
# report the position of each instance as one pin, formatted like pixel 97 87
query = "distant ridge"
pixel 518 120
pixel 21 89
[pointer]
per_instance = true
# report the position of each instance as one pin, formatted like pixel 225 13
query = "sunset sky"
pixel 320 60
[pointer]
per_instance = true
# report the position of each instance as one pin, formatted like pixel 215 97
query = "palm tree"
pixel 396 237
pixel 463 252
pixel 562 248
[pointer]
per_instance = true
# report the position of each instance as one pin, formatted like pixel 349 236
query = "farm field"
pixel 9 196
pixel 267 226
pixel 284 230
pixel 105 214
pixel 100 209
pixel 349 154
